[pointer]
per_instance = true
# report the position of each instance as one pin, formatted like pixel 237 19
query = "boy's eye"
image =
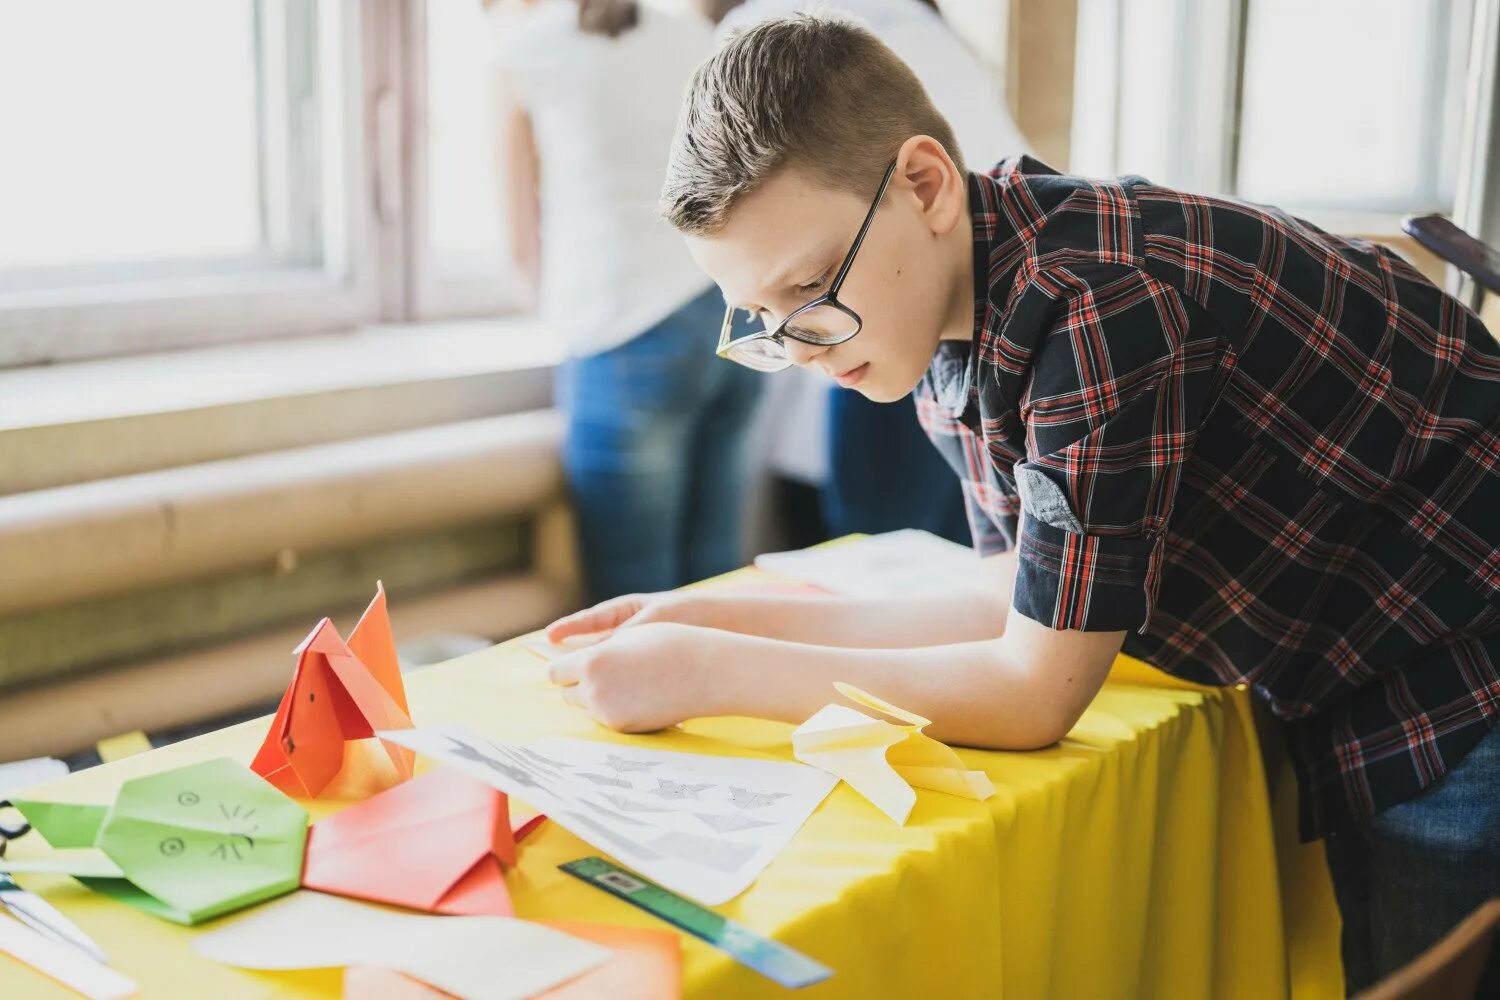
pixel 815 284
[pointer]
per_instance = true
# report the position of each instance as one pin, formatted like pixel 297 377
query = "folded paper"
pixel 371 982
pixel 643 965
pixel 485 958
pixel 339 692
pixel 881 760
pixel 538 645
pixel 64 963
pixel 437 843
pixel 187 844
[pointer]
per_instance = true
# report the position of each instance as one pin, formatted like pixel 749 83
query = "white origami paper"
pixel 702 826
pixel 895 564
pixel 480 958
pixel 884 761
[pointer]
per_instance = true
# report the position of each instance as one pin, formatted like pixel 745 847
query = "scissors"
pixel 34 911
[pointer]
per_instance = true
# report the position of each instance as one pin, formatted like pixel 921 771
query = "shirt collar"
pixel 998 251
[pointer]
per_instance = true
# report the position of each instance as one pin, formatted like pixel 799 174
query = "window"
pixel 1346 111
pixel 134 141
pixel 461 266
pixel 177 172
pixel 1352 105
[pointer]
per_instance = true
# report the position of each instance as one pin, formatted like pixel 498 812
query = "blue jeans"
pixel 655 454
pixel 885 474
pixel 1406 876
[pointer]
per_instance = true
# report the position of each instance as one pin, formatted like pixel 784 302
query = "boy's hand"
pixel 632 610
pixel 640 679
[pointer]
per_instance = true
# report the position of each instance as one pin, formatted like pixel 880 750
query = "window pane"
pixel 130 131
pixel 1352 104
pixel 463 220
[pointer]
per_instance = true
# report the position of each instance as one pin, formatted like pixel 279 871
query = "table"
pixel 1144 856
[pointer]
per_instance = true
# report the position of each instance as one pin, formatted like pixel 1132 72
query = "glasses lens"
pixel 763 354
pixel 746 344
pixel 744 323
pixel 822 324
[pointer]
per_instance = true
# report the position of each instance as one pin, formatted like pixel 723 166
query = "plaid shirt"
pixel 1270 455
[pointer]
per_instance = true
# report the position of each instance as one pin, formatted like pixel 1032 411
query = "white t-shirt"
pixel 603 111
pixel 968 96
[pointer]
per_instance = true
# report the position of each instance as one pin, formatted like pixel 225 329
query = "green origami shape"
pixel 188 844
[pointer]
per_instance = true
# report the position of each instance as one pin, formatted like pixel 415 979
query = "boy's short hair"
pixel 814 91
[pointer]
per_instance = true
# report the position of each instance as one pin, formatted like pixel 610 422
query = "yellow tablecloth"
pixel 1135 859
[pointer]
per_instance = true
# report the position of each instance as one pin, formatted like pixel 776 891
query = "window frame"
pixel 1206 102
pixel 1478 206
pixel 431 294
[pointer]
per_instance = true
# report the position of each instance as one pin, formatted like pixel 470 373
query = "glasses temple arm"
pixel 864 228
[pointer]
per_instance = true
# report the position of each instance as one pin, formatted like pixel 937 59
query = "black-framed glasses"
pixel 823 322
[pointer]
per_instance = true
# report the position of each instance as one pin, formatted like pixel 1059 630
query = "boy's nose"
pixel 800 353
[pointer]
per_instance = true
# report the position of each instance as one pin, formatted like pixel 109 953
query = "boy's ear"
pixel 924 167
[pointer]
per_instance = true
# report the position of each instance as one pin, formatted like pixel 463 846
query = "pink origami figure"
pixel 434 843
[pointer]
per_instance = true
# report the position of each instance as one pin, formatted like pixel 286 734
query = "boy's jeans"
pixel 655 454
pixel 1404 877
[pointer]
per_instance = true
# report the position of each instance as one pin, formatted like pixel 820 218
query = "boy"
pixel 1205 433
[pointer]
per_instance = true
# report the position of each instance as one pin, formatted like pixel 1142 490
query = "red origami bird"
pixel 338 693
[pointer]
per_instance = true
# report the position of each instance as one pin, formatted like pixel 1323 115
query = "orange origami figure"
pixel 338 693
pixel 434 843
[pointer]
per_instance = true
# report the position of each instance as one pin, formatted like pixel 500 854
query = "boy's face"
pixel 782 246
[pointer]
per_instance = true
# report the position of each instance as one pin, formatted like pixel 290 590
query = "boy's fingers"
pixel 550 651
pixel 600 618
pixel 564 670
pixel 569 626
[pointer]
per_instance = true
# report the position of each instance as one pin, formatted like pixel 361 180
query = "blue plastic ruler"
pixel 775 961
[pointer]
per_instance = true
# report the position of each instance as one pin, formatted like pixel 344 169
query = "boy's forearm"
pixel 865 623
pixel 975 695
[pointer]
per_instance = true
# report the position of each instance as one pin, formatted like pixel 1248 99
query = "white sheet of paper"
pixel 65 964
pixel 702 826
pixel 895 564
pixel 23 774
pixel 484 958
pixel 84 862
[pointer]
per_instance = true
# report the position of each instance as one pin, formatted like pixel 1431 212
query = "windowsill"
pixel 238 373
pixel 74 422
pixel 1373 225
